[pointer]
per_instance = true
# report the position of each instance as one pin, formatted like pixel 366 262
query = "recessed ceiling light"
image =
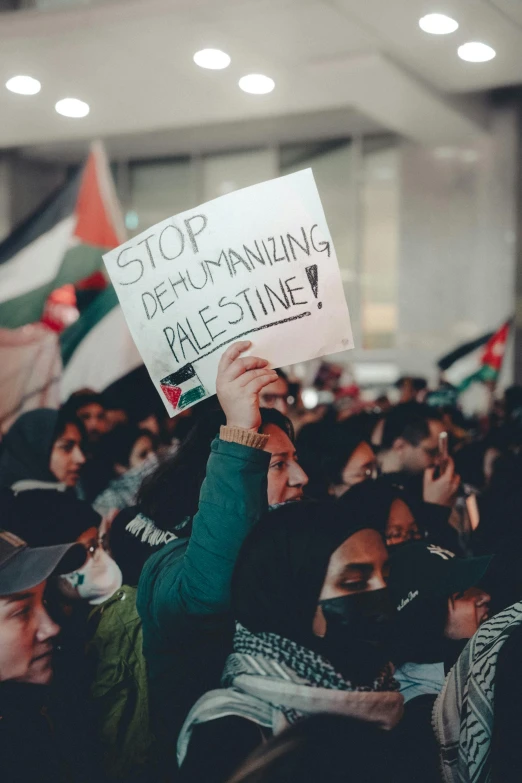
pixel 214 59
pixel 256 83
pixel 72 107
pixel 438 24
pixel 24 85
pixel 476 52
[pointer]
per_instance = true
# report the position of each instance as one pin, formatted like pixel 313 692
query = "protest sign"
pixel 258 264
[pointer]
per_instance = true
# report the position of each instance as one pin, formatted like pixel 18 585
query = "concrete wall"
pixel 24 185
pixel 457 242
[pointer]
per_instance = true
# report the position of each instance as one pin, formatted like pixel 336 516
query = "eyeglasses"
pixel 95 543
pixel 401 536
pixel 361 475
pixel 271 399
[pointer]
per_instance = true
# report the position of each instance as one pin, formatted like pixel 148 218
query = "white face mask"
pixel 97 580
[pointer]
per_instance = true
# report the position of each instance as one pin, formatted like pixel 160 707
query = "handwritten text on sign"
pixel 258 264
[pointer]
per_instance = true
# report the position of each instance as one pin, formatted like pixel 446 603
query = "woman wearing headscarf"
pixel 386 507
pixel 310 599
pixel 42 450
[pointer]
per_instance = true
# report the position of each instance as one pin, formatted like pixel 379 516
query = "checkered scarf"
pixel 273 682
pixel 463 715
pixel 265 653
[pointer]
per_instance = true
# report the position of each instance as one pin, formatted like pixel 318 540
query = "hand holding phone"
pixel 441 488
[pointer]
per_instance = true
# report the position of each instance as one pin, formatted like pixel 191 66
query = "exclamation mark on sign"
pixel 313 279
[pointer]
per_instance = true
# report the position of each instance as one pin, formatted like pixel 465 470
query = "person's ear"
pixel 120 469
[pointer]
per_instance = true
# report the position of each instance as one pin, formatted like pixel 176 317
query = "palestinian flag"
pixel 52 274
pixel 478 361
pixel 183 387
pixel 61 245
pixel 98 348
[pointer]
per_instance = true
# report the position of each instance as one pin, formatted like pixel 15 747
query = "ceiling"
pixel 340 67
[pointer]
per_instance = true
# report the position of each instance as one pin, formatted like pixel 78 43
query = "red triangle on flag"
pixel 495 348
pixel 97 213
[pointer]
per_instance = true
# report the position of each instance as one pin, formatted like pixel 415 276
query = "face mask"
pixel 357 631
pixel 398 547
pixel 98 579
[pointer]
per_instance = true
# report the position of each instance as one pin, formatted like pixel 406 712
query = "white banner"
pixel 258 264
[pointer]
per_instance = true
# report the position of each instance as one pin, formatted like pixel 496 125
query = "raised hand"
pixel 239 381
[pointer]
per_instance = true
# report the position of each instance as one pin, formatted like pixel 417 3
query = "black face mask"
pixel 398 547
pixel 357 632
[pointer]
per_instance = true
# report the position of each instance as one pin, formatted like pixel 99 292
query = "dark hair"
pixel 119 443
pixel 81 399
pixel 135 394
pixel 513 399
pixel 410 421
pixel 171 493
pixel 323 748
pixel 113 449
pixel 66 417
pixel 341 446
pixel 469 463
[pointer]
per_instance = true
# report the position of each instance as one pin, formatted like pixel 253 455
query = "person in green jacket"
pixel 184 590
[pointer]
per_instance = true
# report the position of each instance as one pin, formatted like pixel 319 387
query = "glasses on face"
pixel 401 536
pixel 272 399
pixel 95 543
pixel 361 475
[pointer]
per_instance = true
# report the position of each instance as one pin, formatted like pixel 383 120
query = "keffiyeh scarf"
pixel 464 712
pixel 270 651
pixel 274 682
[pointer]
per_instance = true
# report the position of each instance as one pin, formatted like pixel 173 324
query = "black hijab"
pixel 26 449
pixel 282 565
pixel 371 502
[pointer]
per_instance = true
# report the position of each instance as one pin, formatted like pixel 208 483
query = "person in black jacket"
pixel 29 748
pixel 327 748
pixel 309 595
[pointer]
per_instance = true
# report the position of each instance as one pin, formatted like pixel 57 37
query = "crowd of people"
pixel 210 598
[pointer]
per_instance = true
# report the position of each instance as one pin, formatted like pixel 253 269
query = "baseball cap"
pixel 420 571
pixel 22 567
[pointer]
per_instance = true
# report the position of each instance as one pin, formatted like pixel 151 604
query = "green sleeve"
pixel 232 499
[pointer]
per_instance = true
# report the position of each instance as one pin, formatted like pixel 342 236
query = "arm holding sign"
pixel 234 491
pixel 184 590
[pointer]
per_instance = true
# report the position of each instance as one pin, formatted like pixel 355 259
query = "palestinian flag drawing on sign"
pixel 52 273
pixel 183 387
